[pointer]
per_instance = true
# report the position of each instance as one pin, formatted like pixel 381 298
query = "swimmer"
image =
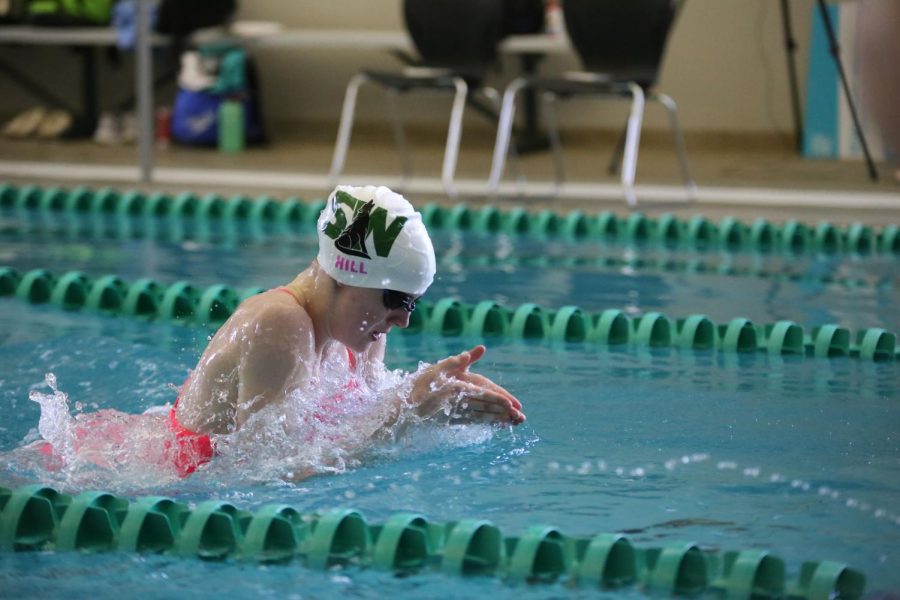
pixel 319 337
pixel 375 260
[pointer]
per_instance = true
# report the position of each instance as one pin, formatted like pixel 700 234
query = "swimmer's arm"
pixel 277 350
pixel 471 397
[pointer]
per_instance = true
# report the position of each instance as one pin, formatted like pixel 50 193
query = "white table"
pixel 85 41
pixel 361 39
pixel 65 36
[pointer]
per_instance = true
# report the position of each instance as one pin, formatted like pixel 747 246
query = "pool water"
pixel 797 455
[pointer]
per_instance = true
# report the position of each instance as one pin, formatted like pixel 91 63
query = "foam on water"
pixel 79 449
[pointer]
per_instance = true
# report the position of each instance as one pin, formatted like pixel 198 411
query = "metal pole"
pixel 790 46
pixel 836 55
pixel 143 83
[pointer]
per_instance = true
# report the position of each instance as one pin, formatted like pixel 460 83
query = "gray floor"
pixel 741 175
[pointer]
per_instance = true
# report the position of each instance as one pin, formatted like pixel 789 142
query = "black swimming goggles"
pixel 393 300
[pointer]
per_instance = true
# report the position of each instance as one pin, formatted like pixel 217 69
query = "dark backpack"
pixel 522 16
pixel 181 17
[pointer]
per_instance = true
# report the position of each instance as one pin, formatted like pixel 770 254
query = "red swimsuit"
pixel 191 449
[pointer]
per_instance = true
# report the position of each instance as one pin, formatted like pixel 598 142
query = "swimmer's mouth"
pixel 375 335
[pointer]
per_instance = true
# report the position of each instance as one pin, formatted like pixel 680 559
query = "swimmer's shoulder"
pixel 274 310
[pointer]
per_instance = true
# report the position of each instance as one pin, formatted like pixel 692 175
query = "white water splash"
pixel 339 427
pixel 55 424
pixel 342 425
pixel 106 447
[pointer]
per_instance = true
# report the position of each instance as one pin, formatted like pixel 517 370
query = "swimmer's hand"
pixel 470 397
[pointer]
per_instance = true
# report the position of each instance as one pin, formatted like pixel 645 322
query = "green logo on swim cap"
pixel 367 220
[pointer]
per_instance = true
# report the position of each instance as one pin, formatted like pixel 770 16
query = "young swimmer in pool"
pixel 375 259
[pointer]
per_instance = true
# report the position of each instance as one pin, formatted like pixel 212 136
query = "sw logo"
pixel 352 240
pixel 367 220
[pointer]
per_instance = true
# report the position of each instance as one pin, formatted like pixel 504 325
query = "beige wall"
pixel 725 66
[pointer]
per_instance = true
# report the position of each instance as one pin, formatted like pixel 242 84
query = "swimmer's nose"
pixel 399 318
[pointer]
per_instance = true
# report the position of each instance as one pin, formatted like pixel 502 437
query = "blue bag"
pixel 195 112
pixel 195 118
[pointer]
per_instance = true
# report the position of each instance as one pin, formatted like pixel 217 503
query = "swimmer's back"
pixel 246 364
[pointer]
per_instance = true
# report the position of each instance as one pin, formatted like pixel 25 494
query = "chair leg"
pixel 680 147
pixel 632 142
pixel 617 153
pixel 345 129
pixel 515 166
pixel 399 134
pixel 552 123
pixel 454 132
pixel 504 132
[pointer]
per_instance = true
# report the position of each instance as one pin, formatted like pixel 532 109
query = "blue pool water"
pixel 797 455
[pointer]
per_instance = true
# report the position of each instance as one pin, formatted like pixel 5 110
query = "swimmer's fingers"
pixel 487 403
pixel 461 362
pixel 470 357
pixel 484 382
pixel 475 415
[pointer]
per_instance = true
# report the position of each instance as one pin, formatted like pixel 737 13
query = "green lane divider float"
pixel 668 265
pixel 39 518
pixel 143 298
pixel 449 317
pixel 668 230
pixel 722 265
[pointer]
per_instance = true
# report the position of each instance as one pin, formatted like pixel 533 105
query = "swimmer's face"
pixel 361 316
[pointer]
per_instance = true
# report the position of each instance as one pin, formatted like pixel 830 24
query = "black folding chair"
pixel 457 44
pixel 621 44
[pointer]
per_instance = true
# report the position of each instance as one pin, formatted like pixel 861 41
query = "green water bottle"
pixel 231 126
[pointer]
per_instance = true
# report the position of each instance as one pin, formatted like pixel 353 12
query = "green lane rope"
pixel 670 265
pixel 722 266
pixel 697 233
pixel 37 517
pixel 449 317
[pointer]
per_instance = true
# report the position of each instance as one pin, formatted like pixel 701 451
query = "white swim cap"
pixel 372 237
